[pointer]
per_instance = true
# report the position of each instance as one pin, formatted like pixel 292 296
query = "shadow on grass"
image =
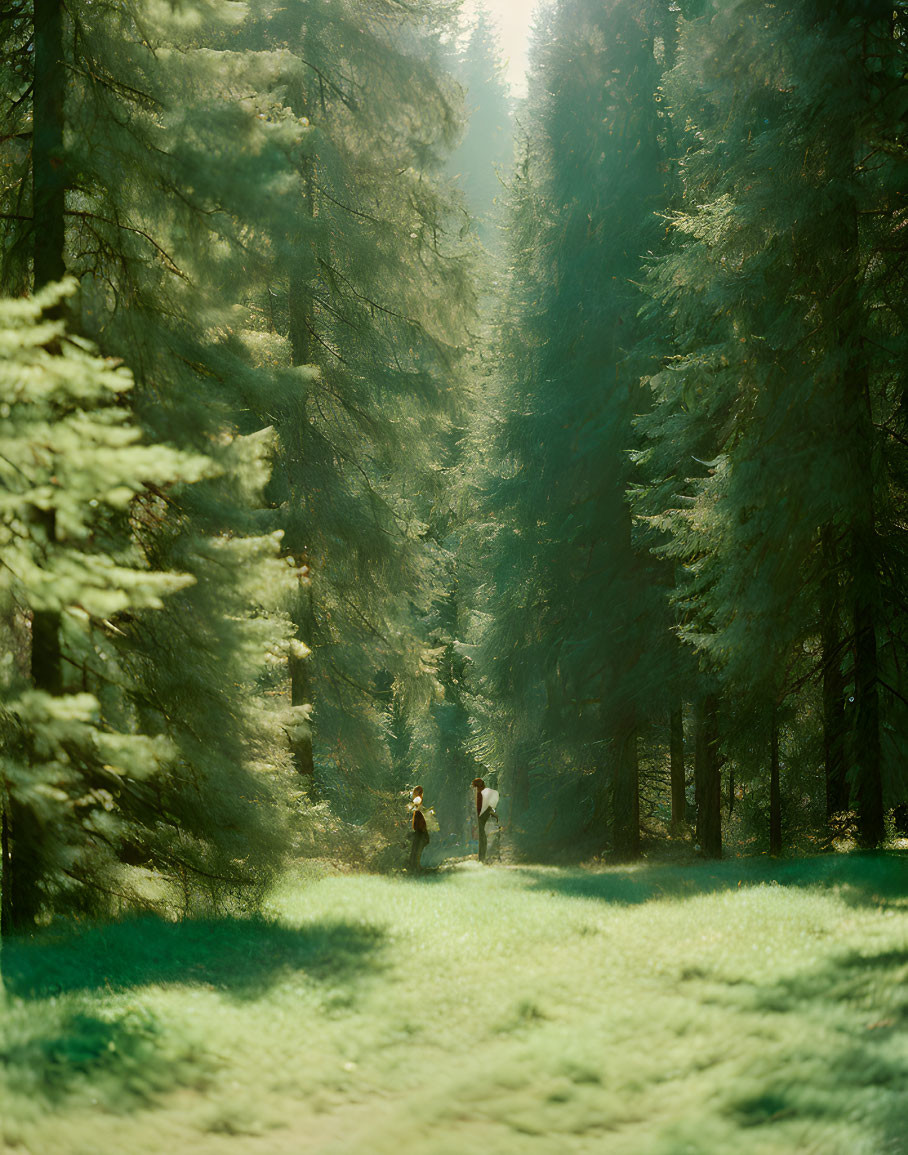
pixel 54 1048
pixel 874 983
pixel 240 956
pixel 118 1058
pixel 865 1073
pixel 862 879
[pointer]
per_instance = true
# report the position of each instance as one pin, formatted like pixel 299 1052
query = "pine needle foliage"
pixel 158 263
pixel 775 446
pixel 88 797
pixel 367 284
pixel 251 204
pixel 570 594
pixel 483 157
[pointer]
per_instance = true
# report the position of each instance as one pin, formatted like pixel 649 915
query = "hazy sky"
pixel 513 18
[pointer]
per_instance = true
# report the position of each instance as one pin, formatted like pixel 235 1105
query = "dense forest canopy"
pixel 363 425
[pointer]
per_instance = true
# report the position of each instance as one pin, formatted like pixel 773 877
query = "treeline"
pixel 289 522
pixel 694 485
pixel 239 286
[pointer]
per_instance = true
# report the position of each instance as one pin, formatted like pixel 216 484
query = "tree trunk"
pixel 48 188
pixel 303 612
pixel 775 794
pixel 48 167
pixel 520 788
pixel 21 837
pixel 833 682
pixel 708 779
pixel 20 898
pixel 868 774
pixel 626 799
pixel 300 678
pixel 6 875
pixel 863 563
pixel 676 758
pixel 868 779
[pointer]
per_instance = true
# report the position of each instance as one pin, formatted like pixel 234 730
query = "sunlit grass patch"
pixel 746 1006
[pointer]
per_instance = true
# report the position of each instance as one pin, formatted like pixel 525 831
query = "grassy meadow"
pixel 743 1007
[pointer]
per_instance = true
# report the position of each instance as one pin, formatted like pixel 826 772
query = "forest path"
pixel 742 1006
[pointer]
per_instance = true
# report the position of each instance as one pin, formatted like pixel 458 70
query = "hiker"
pixel 486 801
pixel 419 837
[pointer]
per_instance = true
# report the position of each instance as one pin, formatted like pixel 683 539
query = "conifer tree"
pixel 567 643
pixel 367 284
pixel 75 773
pixel 252 210
pixel 483 157
pixel 772 472
pixel 159 260
pixel 444 748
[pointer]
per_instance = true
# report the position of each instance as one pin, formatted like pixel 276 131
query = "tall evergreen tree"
pixel 279 249
pixel 773 473
pixel 483 157
pixel 158 262
pixel 566 646
pixel 80 787
pixel 367 284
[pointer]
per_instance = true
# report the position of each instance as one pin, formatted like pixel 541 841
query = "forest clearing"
pixel 746 1006
pixel 453 569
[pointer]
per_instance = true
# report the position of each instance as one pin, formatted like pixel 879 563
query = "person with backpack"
pixel 486 801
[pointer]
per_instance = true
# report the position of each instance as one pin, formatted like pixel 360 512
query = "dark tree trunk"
pixel 868 778
pixel 520 787
pixel 300 678
pixel 676 759
pixel 699 767
pixel 626 799
pixel 6 875
pixel 868 774
pixel 708 779
pixel 20 832
pixel 48 188
pixel 46 662
pixel 48 167
pixel 775 793
pixel 303 613
pixel 863 564
pixel 833 682
pixel 21 899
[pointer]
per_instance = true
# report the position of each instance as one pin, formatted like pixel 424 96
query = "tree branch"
pixel 168 259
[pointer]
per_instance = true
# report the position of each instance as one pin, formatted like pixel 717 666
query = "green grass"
pixel 743 1008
